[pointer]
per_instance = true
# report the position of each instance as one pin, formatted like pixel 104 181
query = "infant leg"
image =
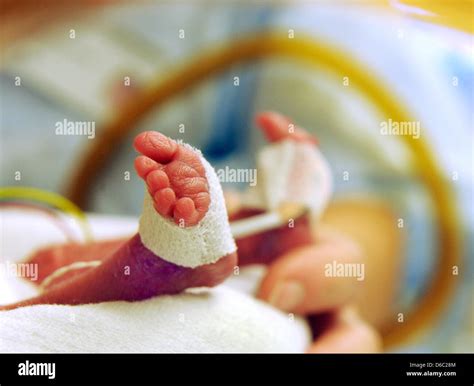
pixel 179 187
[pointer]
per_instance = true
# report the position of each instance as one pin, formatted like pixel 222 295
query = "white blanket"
pixel 224 319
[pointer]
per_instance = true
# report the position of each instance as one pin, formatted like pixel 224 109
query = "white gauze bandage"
pixel 295 172
pixel 193 246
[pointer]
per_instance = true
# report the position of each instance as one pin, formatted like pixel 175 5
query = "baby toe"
pixel 156 146
pixel 144 165
pixel 202 201
pixel 165 200
pixel 157 180
pixel 185 212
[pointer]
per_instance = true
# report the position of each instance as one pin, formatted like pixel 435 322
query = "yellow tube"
pixel 52 199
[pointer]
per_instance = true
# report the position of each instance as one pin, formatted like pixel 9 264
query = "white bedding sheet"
pixel 223 319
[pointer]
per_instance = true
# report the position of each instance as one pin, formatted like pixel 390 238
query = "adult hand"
pixel 297 282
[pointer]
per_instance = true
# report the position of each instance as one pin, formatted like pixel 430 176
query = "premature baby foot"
pixel 175 177
pixel 177 181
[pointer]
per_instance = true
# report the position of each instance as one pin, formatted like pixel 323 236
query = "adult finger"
pixel 315 278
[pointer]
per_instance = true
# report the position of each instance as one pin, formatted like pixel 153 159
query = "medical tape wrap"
pixel 204 243
pixel 295 172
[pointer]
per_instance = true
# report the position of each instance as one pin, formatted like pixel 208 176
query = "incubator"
pixel 385 86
